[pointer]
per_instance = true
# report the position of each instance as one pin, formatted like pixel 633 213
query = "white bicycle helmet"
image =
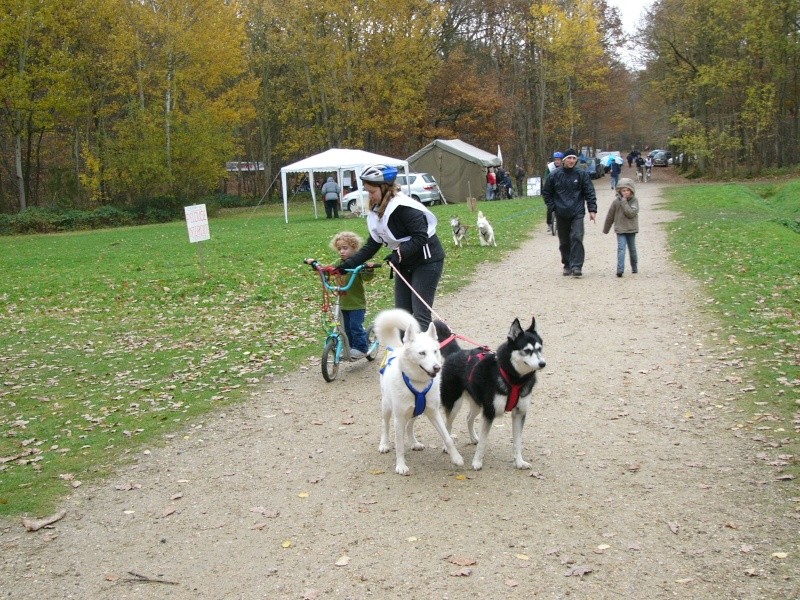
pixel 379 174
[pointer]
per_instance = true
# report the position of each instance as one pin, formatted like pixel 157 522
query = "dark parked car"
pixel 661 158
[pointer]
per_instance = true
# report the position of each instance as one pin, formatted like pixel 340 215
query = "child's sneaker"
pixel 356 354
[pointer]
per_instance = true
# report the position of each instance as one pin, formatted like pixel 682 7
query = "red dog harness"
pixel 514 391
pixel 514 388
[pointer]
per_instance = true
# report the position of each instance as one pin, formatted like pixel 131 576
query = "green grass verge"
pixel 742 243
pixel 112 338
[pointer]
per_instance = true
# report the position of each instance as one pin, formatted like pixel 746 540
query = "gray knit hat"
pixel 627 183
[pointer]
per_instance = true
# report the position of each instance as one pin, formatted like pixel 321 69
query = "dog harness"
pixel 419 397
pixel 514 389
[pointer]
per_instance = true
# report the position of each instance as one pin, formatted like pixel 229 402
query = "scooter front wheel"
pixel 329 363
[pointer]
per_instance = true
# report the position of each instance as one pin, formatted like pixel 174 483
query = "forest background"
pixel 128 102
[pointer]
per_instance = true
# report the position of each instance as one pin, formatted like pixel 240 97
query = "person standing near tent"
pixel 408 229
pixel 491 183
pixel 330 194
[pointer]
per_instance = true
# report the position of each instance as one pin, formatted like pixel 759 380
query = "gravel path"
pixel 644 486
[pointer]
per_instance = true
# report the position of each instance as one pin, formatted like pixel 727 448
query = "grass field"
pixel 112 338
pixel 742 242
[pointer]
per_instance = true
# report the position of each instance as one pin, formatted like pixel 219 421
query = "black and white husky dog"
pixel 492 383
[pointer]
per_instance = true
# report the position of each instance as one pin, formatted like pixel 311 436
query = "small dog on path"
pixel 485 231
pixel 459 231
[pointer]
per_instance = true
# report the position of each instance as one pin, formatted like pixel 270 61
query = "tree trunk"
pixel 18 169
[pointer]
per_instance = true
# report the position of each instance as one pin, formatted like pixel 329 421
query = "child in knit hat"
pixel 624 215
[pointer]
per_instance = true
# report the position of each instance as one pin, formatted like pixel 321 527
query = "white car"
pixel 355 201
pixel 423 189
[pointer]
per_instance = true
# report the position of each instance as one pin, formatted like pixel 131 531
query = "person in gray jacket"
pixel 570 193
pixel 330 193
pixel 623 214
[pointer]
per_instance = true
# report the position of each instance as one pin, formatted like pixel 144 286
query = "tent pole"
pixel 313 192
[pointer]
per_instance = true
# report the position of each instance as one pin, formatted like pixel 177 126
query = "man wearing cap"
pixel 569 192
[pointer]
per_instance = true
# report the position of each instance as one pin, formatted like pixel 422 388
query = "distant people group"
pixel 499 184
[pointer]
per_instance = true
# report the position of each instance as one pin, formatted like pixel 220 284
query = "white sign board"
pixel 197 223
pixel 534 186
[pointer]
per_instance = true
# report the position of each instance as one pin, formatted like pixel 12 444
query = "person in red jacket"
pixel 491 183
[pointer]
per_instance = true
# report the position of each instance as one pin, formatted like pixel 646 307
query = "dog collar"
pixel 419 397
pixel 513 392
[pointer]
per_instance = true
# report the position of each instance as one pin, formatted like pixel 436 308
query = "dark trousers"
pixel 332 208
pixel 570 241
pixel 424 279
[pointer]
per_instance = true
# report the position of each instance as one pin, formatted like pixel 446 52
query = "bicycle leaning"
pixel 337 347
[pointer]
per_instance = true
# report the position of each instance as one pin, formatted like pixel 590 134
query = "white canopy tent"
pixel 335 160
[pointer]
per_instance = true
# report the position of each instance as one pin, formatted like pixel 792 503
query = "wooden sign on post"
pixel 197 224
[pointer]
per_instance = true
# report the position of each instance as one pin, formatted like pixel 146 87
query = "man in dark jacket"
pixel 570 193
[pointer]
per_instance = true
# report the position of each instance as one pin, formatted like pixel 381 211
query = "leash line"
pixel 435 314
pixel 413 291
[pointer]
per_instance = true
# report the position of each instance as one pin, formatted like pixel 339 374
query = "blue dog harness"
pixel 419 397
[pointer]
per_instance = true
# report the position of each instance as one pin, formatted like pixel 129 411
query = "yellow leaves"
pixel 287 544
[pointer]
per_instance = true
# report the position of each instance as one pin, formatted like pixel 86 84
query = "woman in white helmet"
pixel 408 228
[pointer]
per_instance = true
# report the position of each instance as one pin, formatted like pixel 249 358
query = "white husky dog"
pixel 485 231
pixel 410 384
